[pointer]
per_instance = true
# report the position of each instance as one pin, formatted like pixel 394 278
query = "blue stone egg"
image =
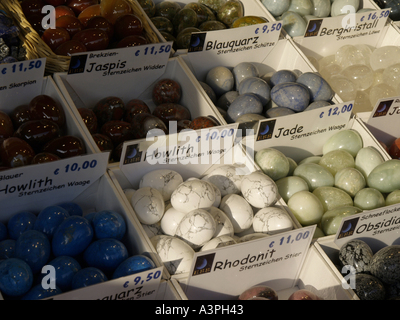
pixel 294 24
pixel 243 71
pixel 19 223
pixel 72 208
pixel 283 76
pixel 244 104
pixel 49 219
pixel 72 237
pixel 225 101
pixel 3 232
pixel 279 112
pixel 34 248
pixel 7 249
pixel 257 86
pixel 66 268
pixel 106 255
pixel 89 217
pixel 38 293
pixel 221 80
pixel 109 224
pixel 276 7
pixel 291 95
pixel 16 277
pixel 319 87
pixel 87 277
pixel 317 105
pixel 135 264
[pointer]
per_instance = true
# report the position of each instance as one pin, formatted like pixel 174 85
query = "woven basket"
pixel 30 49
pixel 56 63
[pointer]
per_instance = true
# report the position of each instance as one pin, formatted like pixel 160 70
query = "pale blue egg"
pixel 294 24
pixel 276 7
pixel 279 112
pixel 221 80
pixel 317 105
pixel 294 96
pixel 225 101
pixel 283 76
pixel 209 91
pixel 319 87
pixel 243 71
pixel 257 86
pixel 244 104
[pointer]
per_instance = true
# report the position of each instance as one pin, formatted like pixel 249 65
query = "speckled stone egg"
pixel 369 288
pixel 356 253
pixel 148 204
pixel 66 268
pixel 108 109
pixel 191 195
pixel 196 228
pixel 226 179
pixel 294 96
pixel 166 91
pixel 165 181
pixel 245 104
pixel 243 71
pixel 259 190
pixel 385 264
pixel 238 211
pixel 230 11
pixel 294 24
pixel 315 175
pixel 221 80
pixel 176 255
pixel 272 220
pixel 319 88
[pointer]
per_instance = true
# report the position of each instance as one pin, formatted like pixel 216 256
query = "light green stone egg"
pixel 306 207
pixel 337 160
pixel 332 219
pixel 315 175
pixel 368 159
pixel 349 140
pixel 288 186
pixel 273 163
pixel 292 166
pixel 332 198
pixel 369 199
pixel 313 159
pixel 385 177
pixel 393 198
pixel 350 180
pixel 322 8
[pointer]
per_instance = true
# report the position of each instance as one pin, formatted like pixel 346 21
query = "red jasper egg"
pixel 171 112
pixel 103 142
pixel 6 126
pixel 89 118
pixel 45 107
pixel 202 123
pixel 64 11
pixel 167 91
pixel 394 150
pixel 15 152
pixel 20 115
pixel 44 157
pixel 134 107
pixel 55 37
pixel 87 14
pixel 93 39
pixel 65 147
pixel 102 24
pixel 71 24
pixel 132 41
pixel 30 7
pixel 108 109
pixel 128 25
pixel 118 131
pixel 79 5
pixel 70 47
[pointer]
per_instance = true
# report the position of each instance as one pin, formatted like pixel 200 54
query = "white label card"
pixel 225 273
pixel 379 228
pixel 113 70
pixel 51 182
pixel 20 80
pixel 252 43
pixel 307 131
pixel 139 286
pixel 384 120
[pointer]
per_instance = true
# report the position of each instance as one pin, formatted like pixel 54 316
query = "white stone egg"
pixel 238 211
pixel 218 196
pixel 226 179
pixel 224 226
pixel 222 241
pixel 272 220
pixel 192 195
pixel 165 181
pixel 251 237
pixel 176 255
pixel 196 228
pixel 149 205
pixel 259 190
pixel 171 220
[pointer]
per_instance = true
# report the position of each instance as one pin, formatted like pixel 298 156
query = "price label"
pixel 269 28
pixel 337 111
pixel 110 71
pixel 226 272
pixel 19 80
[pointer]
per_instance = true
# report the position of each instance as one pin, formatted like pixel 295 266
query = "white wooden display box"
pixel 103 195
pixel 316 275
pixel 251 8
pixel 193 96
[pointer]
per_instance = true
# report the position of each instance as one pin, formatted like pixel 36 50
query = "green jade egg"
pixel 337 160
pixel 348 140
pixel 350 180
pixel 385 177
pixel 369 199
pixel 273 163
pixel 315 175
pixel 332 198
pixel 332 219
